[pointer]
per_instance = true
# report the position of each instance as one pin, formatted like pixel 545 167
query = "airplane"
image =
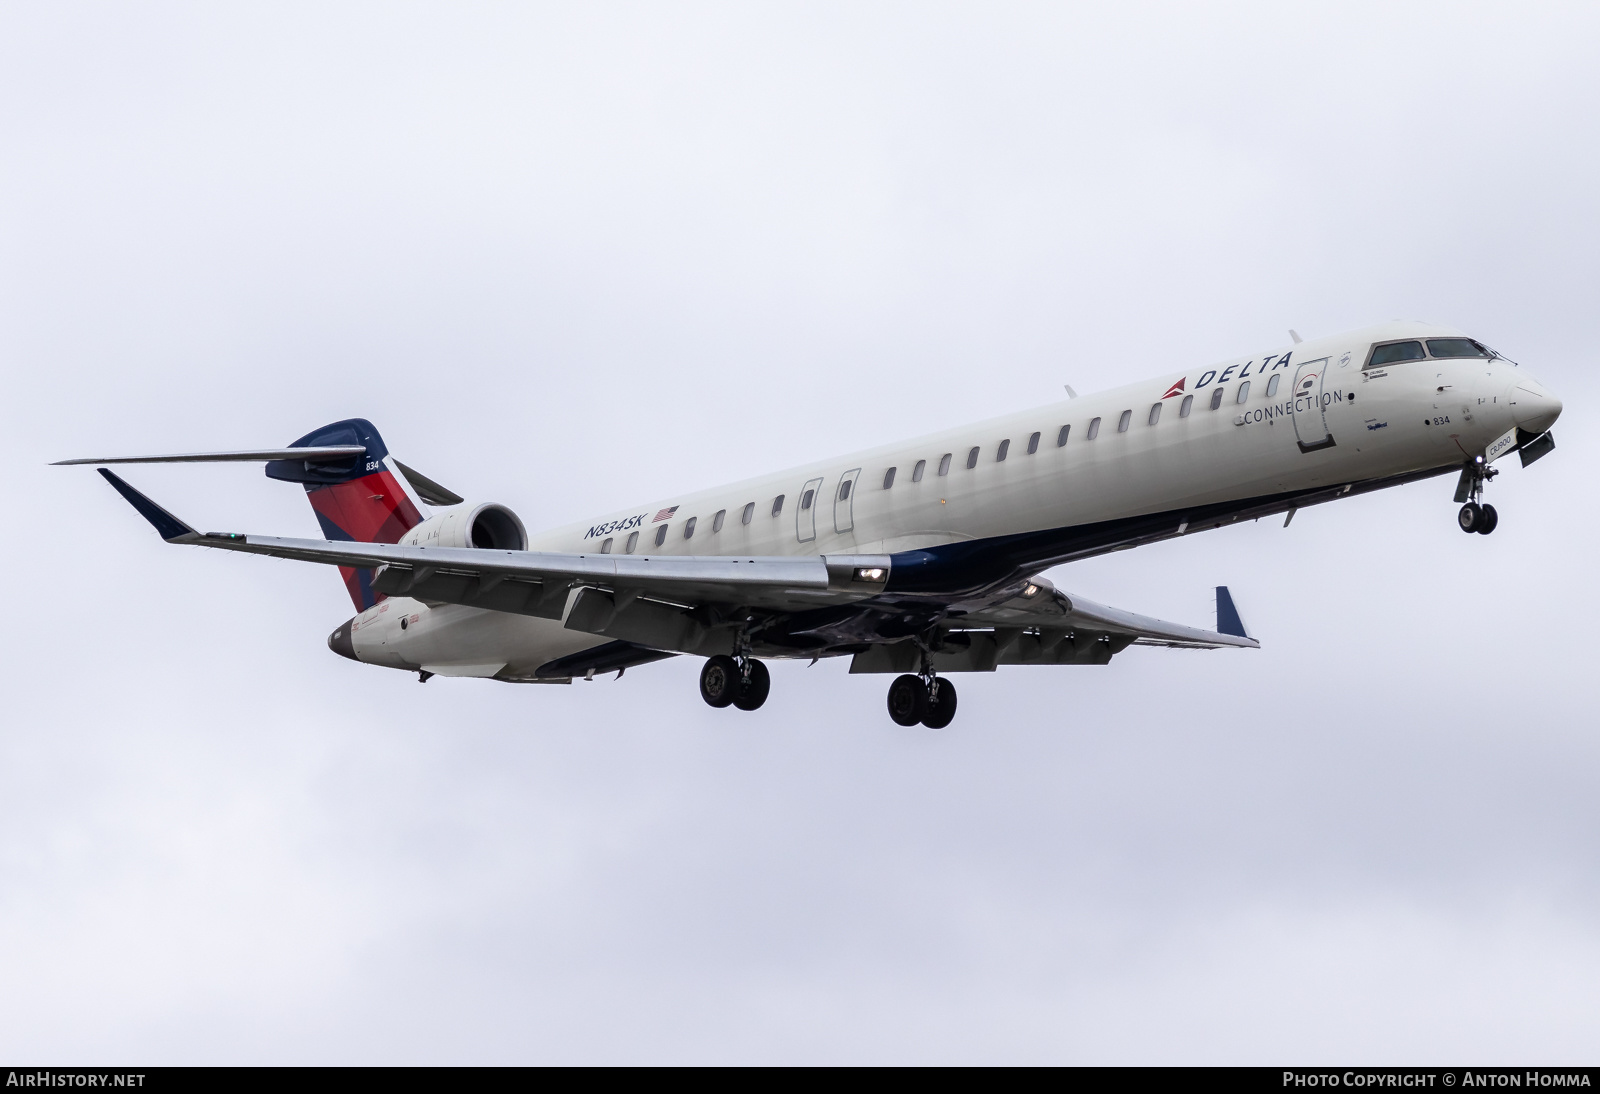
pixel 915 559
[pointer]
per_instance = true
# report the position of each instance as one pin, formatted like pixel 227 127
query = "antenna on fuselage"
pixel 1070 393
pixel 1296 337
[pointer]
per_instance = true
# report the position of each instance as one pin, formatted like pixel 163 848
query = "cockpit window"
pixel 1456 347
pixel 1394 352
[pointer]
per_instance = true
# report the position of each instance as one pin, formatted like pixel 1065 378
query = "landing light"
pixel 1030 590
pixel 870 573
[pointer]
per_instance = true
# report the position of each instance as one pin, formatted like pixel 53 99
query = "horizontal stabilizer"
pixel 313 455
pixel 428 490
pixel 1228 621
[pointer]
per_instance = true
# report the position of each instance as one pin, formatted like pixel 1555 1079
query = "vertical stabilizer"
pixel 358 500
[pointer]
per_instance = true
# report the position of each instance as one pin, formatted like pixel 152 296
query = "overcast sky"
pixel 579 257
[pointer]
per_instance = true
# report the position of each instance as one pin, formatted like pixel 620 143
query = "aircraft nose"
pixel 341 642
pixel 1532 406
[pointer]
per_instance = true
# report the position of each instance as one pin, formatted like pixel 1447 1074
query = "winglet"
pixel 1228 621
pixel 171 528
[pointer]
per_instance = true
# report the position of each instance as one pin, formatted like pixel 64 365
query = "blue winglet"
pixel 1228 621
pixel 169 526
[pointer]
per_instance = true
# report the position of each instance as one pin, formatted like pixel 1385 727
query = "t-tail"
pixel 356 499
pixel 350 481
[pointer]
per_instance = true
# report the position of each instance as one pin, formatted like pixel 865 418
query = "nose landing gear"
pixel 1475 516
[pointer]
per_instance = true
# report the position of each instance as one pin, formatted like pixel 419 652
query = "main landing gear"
pixel 928 700
pixel 1475 515
pixel 743 683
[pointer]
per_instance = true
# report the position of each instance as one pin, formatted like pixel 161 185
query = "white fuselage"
pixel 992 478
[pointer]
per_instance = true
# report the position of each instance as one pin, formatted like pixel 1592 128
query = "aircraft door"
pixel 1310 421
pixel 844 502
pixel 805 513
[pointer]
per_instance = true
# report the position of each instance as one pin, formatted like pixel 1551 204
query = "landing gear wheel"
pixel 719 680
pixel 908 700
pixel 1490 519
pixel 1471 517
pixel 753 689
pixel 941 704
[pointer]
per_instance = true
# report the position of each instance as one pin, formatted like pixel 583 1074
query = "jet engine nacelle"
pixel 480 524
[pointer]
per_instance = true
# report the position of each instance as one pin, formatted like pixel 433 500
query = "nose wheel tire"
pixel 720 681
pixel 908 700
pixel 941 705
pixel 753 689
pixel 1490 519
pixel 1471 517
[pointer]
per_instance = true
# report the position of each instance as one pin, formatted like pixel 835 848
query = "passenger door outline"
pixel 805 517
pixel 844 508
pixel 1307 406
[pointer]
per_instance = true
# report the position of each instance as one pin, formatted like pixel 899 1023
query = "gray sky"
pixel 580 257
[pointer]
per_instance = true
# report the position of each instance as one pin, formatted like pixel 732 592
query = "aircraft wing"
pixel 1050 609
pixel 817 604
pixel 538 582
pixel 1036 624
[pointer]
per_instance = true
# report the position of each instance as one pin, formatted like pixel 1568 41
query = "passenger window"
pixel 916 472
pixel 1033 444
pixel 1155 413
pixel 749 513
pixel 605 548
pixel 1244 392
pixel 777 505
pixel 944 464
pixel 661 535
pixel 1122 422
pixel 1394 352
pixel 1000 455
pixel 888 478
pixel 844 490
pixel 1216 398
pixel 716 521
pixel 1188 405
pixel 805 499
pixel 1456 347
pixel 972 458
pixel 1061 438
pixel 1272 385
pixel 1094 428
pixel 688 527
pixel 633 541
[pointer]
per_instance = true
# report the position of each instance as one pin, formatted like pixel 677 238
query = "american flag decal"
pixel 665 513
